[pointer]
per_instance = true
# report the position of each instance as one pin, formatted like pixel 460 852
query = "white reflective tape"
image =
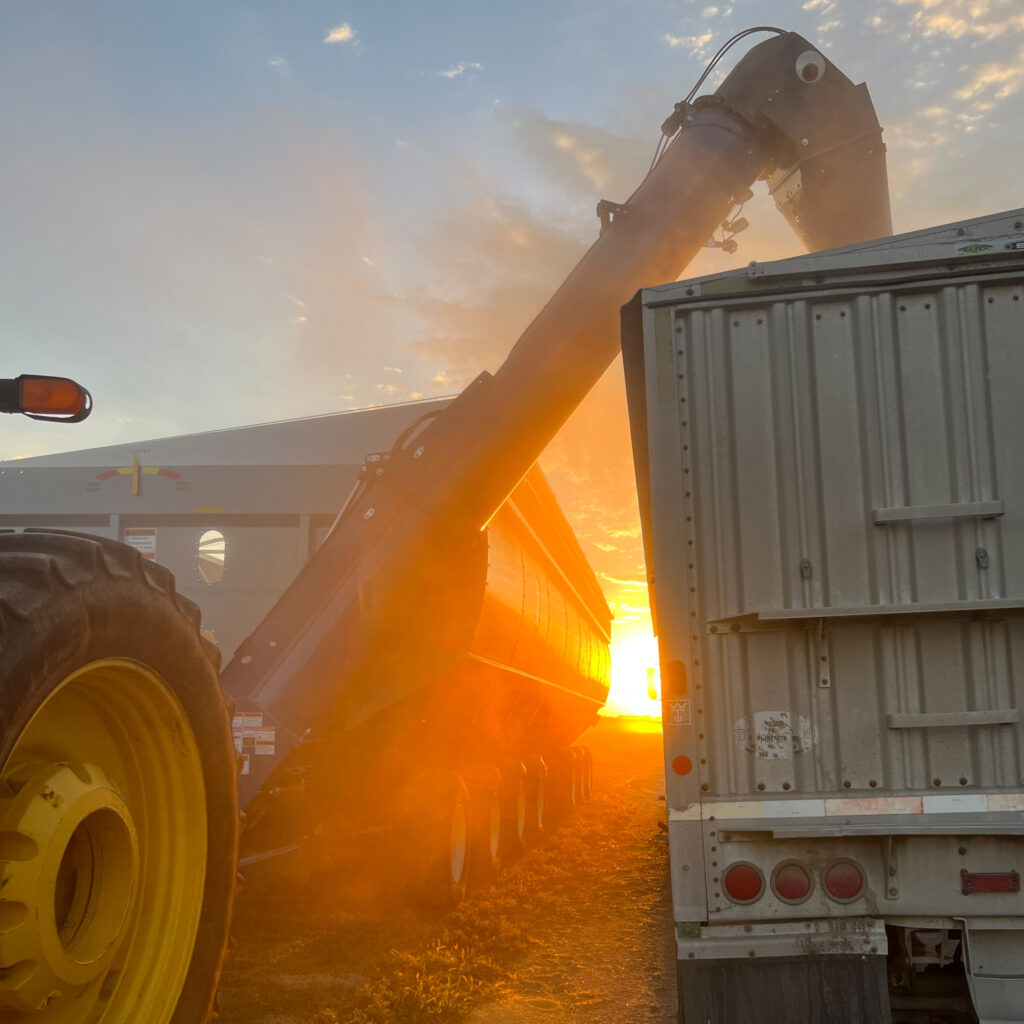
pixel 794 809
pixel 831 807
pixel 956 803
pixel 691 813
pixel 858 805
pixel 1006 801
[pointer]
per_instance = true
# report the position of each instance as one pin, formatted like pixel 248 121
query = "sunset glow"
pixel 634 670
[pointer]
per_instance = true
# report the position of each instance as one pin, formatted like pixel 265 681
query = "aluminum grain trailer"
pixel 828 461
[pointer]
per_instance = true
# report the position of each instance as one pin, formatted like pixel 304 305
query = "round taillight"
pixel 682 765
pixel 791 882
pixel 743 883
pixel 843 880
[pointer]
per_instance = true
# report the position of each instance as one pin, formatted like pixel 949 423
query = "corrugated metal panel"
pixel 853 500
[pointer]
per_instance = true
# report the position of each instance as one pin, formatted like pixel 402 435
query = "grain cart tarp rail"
pixel 349 637
pixel 828 462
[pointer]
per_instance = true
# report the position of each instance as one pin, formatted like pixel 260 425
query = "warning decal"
pixel 143 539
pixel 252 738
pixel 679 712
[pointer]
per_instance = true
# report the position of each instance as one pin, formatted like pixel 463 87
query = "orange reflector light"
pixel 55 396
pixel 743 883
pixel 843 880
pixel 682 765
pixel 791 882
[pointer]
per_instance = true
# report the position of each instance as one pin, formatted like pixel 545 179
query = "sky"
pixel 220 214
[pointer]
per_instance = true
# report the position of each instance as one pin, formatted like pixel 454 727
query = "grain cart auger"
pixel 118 808
pixel 347 661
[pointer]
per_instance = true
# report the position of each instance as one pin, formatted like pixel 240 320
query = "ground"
pixel 579 930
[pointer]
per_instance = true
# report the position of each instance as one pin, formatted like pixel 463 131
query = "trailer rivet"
pixel 748 928
pixel 893 891
pixel 962 850
pixel 936 782
pixel 963 781
pixel 874 949
pixel 750 952
pixel 847 783
pixel 760 786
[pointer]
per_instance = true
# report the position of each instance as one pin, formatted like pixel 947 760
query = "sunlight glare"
pixel 634 676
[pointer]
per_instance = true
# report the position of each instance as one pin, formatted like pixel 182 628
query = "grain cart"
pixel 361 643
pixel 828 462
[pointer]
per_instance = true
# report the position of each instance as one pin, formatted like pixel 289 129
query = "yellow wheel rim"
pixel 102 853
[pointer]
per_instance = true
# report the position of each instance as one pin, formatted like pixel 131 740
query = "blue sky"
pixel 215 216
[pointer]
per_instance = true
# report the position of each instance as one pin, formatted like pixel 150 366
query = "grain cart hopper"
pixel 828 463
pixel 356 646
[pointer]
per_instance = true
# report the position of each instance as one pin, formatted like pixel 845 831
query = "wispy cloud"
pixel 343 33
pixel 697 46
pixel 458 70
pixel 280 65
pixel 994 81
pixel 956 19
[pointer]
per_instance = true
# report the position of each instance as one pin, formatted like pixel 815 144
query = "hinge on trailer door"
pixel 824 675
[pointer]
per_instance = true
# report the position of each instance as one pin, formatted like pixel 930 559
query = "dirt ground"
pixel 578 930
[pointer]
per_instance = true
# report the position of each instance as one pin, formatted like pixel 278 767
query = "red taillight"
pixel 682 765
pixel 743 883
pixel 843 880
pixel 791 882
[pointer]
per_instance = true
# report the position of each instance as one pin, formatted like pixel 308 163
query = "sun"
pixel 636 687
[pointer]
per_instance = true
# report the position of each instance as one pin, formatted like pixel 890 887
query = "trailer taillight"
pixel 843 880
pixel 791 882
pixel 743 882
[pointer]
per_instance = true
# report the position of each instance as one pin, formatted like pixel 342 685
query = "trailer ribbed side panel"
pixel 854 498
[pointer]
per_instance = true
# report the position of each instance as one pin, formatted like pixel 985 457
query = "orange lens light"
pixel 682 765
pixel 56 396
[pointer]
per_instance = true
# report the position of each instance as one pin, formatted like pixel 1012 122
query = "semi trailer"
pixel 827 459
pixel 365 641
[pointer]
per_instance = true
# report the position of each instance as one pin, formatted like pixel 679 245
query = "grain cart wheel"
pixel 514 810
pixel 436 821
pixel 565 781
pixel 585 763
pixel 485 818
pixel 536 797
pixel 118 808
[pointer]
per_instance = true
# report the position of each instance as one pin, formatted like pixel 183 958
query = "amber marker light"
pixel 45 398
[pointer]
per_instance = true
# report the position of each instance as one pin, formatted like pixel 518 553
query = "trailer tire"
pixel 514 810
pixel 565 781
pixel 440 820
pixel 537 802
pixel 118 800
pixel 486 820
pixel 585 761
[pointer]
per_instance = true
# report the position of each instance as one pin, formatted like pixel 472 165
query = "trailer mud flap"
pixel 797 990
pixel 994 964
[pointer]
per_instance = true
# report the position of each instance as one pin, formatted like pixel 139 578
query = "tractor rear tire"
pixel 118 799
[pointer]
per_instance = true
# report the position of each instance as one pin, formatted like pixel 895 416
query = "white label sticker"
pixel 245 765
pixel 775 735
pixel 265 742
pixel 247 720
pixel 143 540
pixel 679 711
